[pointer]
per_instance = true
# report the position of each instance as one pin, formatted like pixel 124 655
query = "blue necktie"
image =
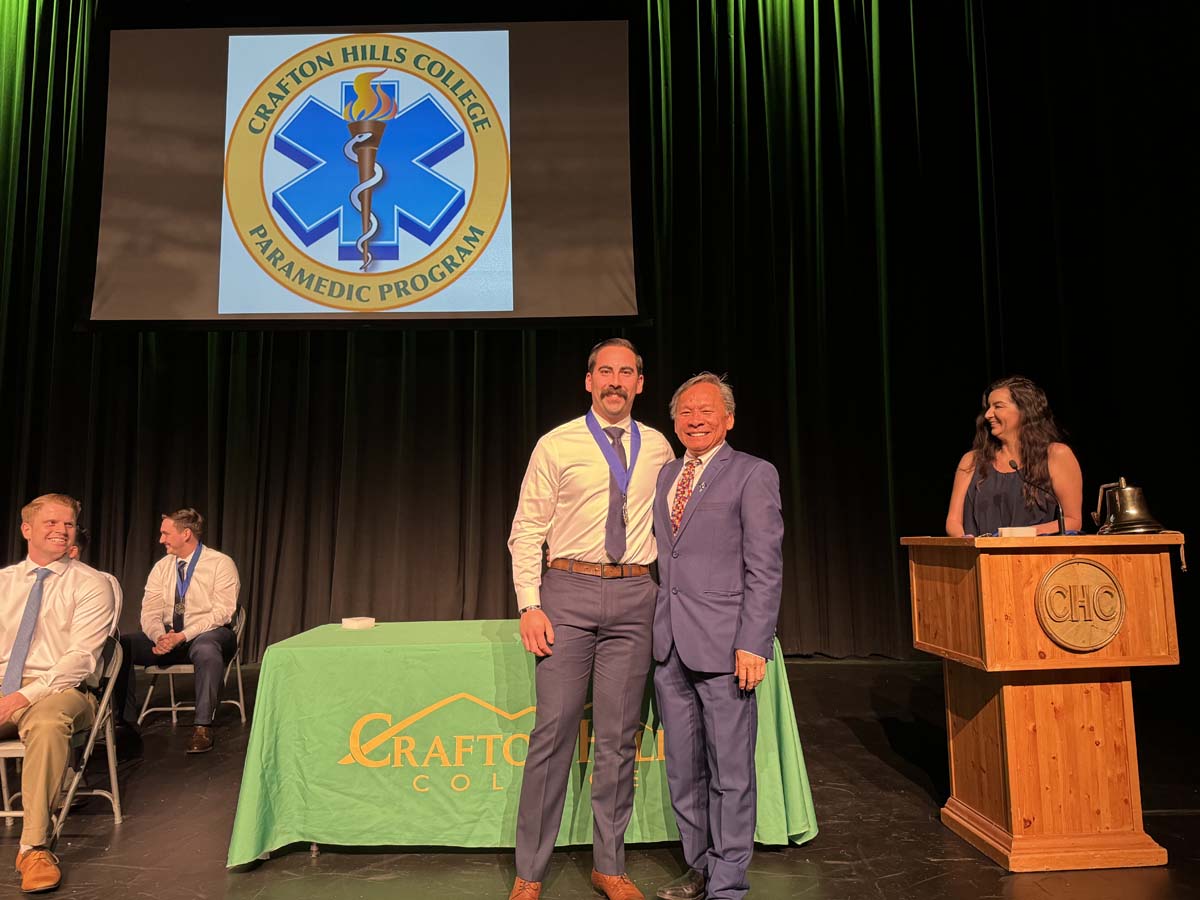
pixel 177 619
pixel 614 525
pixel 20 649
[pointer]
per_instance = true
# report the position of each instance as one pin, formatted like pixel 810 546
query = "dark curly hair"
pixel 1038 432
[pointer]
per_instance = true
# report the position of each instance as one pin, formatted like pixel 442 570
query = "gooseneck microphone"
pixel 1058 513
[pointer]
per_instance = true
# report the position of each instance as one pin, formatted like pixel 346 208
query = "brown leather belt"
pixel 599 570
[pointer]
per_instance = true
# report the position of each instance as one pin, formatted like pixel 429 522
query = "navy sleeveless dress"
pixel 996 502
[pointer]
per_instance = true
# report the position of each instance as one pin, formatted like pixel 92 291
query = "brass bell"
pixel 1126 510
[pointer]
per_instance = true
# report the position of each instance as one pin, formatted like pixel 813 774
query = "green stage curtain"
pixel 861 211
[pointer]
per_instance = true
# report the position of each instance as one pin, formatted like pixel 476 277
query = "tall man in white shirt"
pixel 191 595
pixel 54 615
pixel 587 494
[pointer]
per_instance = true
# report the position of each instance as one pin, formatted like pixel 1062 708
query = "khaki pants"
pixel 46 728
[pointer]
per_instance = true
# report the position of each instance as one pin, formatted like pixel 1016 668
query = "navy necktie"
pixel 177 619
pixel 20 649
pixel 614 526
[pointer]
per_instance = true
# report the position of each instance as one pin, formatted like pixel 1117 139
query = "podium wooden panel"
pixel 1037 637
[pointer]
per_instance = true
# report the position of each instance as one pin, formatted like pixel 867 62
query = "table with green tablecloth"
pixel 414 733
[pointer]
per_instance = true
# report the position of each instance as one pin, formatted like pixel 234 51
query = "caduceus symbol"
pixel 366 117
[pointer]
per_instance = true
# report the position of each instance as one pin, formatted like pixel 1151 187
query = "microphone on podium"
pixel 1058 513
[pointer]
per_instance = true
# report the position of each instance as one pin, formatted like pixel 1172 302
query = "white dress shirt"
pixel 564 502
pixel 211 598
pixel 76 615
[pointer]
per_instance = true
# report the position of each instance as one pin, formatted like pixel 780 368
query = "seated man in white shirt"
pixel 78 550
pixel 79 543
pixel 191 595
pixel 129 742
pixel 55 613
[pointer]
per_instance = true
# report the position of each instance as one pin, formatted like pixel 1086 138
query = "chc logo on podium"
pixel 1080 605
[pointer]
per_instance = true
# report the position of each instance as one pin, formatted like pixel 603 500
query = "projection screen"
pixel 445 172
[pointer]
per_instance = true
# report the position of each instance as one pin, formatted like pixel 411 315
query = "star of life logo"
pixel 368 173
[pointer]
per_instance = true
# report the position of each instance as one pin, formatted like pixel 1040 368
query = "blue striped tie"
pixel 20 648
pixel 614 525
pixel 177 619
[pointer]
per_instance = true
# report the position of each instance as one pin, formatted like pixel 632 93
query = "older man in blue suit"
pixel 719 529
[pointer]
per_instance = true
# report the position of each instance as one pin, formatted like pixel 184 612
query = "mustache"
pixel 615 389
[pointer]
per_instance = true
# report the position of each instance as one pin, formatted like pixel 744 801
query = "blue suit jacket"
pixel 721 576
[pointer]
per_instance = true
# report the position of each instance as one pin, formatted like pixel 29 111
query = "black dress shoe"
pixel 688 886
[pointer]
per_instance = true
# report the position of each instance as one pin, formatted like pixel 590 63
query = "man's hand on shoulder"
pixel 749 669
pixel 537 634
pixel 10 705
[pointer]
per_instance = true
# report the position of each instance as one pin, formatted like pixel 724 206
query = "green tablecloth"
pixel 414 733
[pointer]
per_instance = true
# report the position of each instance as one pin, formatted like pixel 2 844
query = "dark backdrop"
pixel 861 211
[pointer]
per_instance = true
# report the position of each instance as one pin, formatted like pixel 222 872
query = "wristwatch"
pixel 525 609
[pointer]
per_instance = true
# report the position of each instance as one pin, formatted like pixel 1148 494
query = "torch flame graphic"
pixel 366 117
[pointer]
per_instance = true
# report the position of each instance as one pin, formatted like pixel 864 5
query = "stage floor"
pixel 874 741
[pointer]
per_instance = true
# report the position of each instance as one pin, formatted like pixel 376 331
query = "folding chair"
pixel 155 672
pixel 117 601
pixel 82 743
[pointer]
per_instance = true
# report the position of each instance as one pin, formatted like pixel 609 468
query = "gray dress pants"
pixel 601 636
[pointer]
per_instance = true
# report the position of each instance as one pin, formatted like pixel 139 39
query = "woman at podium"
pixel 1018 471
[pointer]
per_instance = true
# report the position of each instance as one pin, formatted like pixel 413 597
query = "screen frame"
pixel 84 226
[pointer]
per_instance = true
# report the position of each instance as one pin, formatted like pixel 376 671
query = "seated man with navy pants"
pixel 191 594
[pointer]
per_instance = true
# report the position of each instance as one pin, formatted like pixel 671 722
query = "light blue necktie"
pixel 20 648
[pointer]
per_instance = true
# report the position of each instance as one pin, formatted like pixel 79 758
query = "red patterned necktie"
pixel 682 493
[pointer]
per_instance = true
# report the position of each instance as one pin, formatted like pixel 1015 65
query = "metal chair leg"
pixel 237 661
pixel 8 820
pixel 58 821
pixel 110 741
pixel 149 694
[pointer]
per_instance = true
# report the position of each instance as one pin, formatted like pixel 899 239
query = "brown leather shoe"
pixel 616 887
pixel 688 886
pixel 39 870
pixel 202 739
pixel 525 890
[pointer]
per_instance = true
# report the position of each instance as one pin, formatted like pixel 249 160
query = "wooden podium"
pixel 1037 637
